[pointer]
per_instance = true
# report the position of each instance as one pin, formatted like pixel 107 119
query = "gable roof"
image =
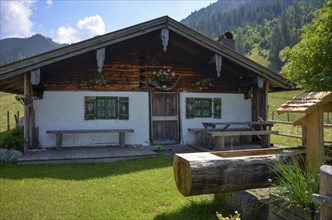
pixel 18 68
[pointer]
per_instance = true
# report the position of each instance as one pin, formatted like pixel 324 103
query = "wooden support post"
pixel 325 192
pixel 8 121
pixel 315 138
pixel 27 92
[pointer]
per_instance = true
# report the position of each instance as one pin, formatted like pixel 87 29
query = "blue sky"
pixel 69 21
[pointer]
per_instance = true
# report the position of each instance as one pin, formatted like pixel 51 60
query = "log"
pixel 208 173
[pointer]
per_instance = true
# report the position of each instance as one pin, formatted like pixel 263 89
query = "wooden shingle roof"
pixel 307 103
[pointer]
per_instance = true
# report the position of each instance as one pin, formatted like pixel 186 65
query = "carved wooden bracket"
pixel 218 64
pixel 164 38
pixel 100 56
pixel 35 76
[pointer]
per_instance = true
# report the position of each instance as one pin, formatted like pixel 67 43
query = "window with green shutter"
pixel 106 107
pixel 217 107
pixel 190 109
pixel 198 107
pixel 123 108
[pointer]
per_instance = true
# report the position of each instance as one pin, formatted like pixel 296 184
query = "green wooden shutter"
pixel 217 107
pixel 89 107
pixel 190 107
pixel 206 108
pixel 123 108
pixel 101 107
pixel 112 107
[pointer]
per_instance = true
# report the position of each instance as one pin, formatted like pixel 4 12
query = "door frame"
pixel 164 118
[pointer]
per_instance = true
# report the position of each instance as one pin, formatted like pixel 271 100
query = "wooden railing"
pixel 303 136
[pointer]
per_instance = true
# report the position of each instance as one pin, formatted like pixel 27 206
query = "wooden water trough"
pixel 227 171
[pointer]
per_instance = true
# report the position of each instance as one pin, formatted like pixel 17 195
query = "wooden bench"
pixel 220 136
pixel 59 134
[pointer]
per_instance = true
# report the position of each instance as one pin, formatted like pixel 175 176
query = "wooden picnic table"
pixel 261 129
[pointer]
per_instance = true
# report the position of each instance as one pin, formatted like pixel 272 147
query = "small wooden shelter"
pixel 313 105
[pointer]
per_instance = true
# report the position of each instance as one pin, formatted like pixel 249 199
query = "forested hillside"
pixel 13 49
pixel 261 28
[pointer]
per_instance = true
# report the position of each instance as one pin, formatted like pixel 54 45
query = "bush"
pixel 13 139
pixel 9 155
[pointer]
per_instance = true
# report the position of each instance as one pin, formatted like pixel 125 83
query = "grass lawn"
pixel 135 189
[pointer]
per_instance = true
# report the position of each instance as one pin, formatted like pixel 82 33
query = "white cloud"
pixel 15 18
pixel 66 34
pixel 49 3
pixel 91 26
pixel 85 28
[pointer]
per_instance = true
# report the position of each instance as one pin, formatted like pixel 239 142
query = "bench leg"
pixel 58 141
pixel 121 139
pixel 220 143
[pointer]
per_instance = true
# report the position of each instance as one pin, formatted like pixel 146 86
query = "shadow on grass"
pixel 82 171
pixel 202 209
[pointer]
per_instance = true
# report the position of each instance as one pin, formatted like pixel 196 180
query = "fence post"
pixel 273 116
pixel 8 121
pixel 324 198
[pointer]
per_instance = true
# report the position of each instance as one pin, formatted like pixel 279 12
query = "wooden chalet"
pixel 151 81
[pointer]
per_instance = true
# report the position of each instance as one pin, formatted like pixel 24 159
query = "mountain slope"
pixel 13 49
pixel 261 28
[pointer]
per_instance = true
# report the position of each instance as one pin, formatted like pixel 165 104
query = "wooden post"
pixel 27 92
pixel 315 139
pixel 8 121
pixel 325 192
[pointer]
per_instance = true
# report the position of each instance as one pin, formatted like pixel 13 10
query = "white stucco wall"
pixel 234 108
pixel 65 110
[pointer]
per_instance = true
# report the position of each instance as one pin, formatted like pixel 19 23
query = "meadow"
pixel 134 189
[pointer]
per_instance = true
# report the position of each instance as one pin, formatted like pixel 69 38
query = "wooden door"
pixel 164 118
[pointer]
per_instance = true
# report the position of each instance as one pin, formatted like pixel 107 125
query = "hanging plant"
pixel 205 84
pixel 164 75
pixel 98 80
pixel 165 79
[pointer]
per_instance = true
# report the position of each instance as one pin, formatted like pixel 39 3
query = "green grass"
pixel 136 189
pixel 297 192
pixel 8 103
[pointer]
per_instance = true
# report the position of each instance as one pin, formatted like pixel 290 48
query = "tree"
pixel 309 63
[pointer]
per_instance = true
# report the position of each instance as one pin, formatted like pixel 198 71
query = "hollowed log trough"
pixel 227 171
